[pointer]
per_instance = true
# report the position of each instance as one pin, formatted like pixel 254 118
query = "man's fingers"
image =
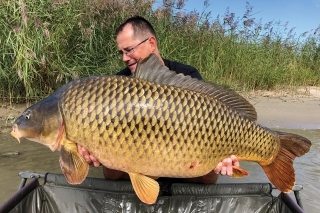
pixel 94 160
pixel 79 149
pixel 229 167
pixel 90 159
pixel 223 170
pixel 226 166
pixel 96 163
pixel 218 168
pixel 235 161
pixel 87 158
pixel 84 152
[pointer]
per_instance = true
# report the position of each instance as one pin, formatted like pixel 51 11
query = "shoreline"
pixel 287 113
pixel 287 110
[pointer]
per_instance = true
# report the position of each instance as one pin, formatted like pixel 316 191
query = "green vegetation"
pixel 46 43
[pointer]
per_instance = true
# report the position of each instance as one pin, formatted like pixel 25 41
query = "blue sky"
pixel 302 14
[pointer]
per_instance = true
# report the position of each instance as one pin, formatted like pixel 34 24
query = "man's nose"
pixel 125 57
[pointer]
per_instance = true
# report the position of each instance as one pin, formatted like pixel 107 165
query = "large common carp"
pixel 156 124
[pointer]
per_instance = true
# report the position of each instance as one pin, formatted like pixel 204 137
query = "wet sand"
pixel 287 110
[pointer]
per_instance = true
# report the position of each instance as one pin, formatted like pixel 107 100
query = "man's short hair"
pixel 139 25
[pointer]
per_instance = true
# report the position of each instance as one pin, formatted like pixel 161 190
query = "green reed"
pixel 46 43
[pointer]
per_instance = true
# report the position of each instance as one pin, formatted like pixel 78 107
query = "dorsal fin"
pixel 151 69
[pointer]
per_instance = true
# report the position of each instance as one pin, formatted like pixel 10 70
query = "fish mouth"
pixel 15 132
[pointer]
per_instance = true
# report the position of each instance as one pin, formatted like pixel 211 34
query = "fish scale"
pixel 129 122
pixel 157 123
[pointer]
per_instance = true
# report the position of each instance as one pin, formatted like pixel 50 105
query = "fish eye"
pixel 27 115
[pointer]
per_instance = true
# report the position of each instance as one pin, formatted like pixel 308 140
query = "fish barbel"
pixel 156 123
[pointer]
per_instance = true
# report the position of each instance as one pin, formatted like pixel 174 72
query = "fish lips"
pixel 15 132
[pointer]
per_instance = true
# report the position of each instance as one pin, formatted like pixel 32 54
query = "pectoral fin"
pixel 73 165
pixel 239 172
pixel 145 187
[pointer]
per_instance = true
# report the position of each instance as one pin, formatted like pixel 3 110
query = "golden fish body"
pixel 157 124
pixel 137 126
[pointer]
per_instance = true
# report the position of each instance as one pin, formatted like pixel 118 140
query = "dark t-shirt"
pixel 174 66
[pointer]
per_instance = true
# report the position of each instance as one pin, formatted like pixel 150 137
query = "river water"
pixel 38 158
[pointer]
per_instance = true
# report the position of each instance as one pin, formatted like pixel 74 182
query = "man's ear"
pixel 153 42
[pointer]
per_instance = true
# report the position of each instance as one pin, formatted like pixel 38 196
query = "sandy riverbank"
pixel 289 110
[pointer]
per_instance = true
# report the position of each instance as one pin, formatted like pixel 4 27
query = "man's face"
pixel 126 42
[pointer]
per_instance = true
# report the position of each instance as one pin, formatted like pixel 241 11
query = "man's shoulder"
pixel 182 68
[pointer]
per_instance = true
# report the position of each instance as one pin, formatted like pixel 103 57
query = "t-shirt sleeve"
pixel 126 71
pixel 194 73
pixel 183 68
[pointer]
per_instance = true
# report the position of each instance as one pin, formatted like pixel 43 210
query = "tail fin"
pixel 281 172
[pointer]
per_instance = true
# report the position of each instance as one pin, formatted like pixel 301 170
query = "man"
pixel 136 40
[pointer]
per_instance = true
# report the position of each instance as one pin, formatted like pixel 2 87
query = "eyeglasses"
pixel 131 50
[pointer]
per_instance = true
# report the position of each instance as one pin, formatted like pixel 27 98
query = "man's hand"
pixel 88 157
pixel 225 167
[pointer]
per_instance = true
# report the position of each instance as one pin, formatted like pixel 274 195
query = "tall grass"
pixel 46 43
